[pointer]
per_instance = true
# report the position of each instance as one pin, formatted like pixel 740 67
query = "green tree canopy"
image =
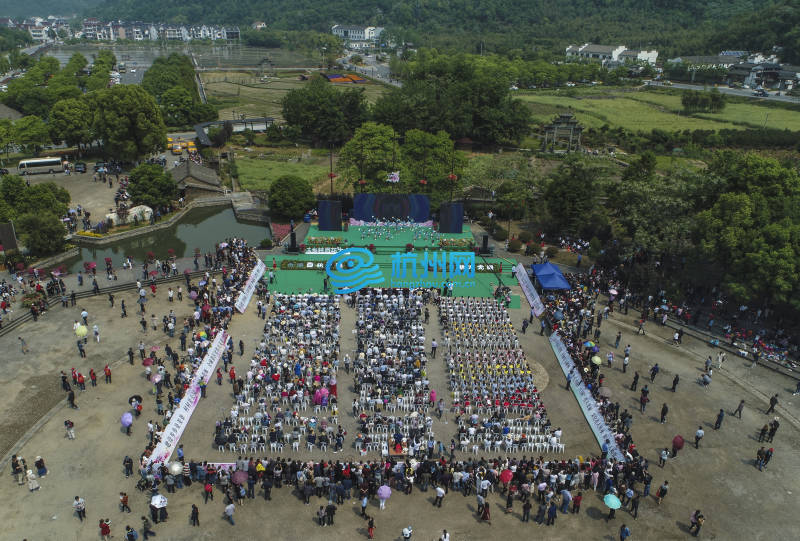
pixel 70 122
pixel 31 132
pixel 43 234
pixel 128 121
pixel 290 196
pixel 323 114
pixel 152 186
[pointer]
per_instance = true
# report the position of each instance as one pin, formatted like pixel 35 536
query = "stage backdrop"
pixel 451 217
pixel 330 215
pixel 372 207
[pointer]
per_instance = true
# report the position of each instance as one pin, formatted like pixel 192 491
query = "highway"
pixel 741 92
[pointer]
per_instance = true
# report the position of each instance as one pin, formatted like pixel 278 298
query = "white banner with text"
pixel 602 432
pixel 182 414
pixel 530 291
pixel 250 286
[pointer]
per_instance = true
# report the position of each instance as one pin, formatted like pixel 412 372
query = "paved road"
pixel 372 68
pixel 745 93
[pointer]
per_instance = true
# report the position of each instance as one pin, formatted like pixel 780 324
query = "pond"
pixel 200 228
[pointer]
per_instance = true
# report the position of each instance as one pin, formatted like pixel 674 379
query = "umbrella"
pixel 153 273
pixel 81 331
pixel 664 307
pixel 176 468
pixel 142 300
pixel 136 397
pixel 186 271
pixel 108 260
pixel 677 442
pixel 597 360
pixel 155 348
pixel 223 244
pixel 157 377
pixel 158 501
pixel 612 291
pixel 595 349
pixel 148 361
pixel 384 492
pixel 505 476
pixel 604 391
pixel 127 419
pixel 201 283
pixel 612 502
pixel 559 315
pixel 193 295
pixel 91 265
pixel 239 477
pixel 588 344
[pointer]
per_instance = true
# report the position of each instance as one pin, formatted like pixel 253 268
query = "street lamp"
pixel 331 174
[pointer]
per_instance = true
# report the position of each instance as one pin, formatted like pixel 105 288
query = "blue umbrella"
pixel 126 419
pixel 612 502
pixel 559 315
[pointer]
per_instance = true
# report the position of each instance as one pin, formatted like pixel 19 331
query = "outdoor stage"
pixel 296 273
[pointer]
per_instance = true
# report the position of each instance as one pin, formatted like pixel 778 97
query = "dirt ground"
pixel 738 501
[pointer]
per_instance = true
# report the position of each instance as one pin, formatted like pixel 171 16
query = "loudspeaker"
pixel 485 244
pixel 293 242
pixel 330 215
pixel 451 218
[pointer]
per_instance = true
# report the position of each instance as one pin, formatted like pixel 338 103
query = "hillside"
pixel 502 24
pixel 43 8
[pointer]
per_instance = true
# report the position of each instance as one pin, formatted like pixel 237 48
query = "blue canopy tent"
pixel 550 277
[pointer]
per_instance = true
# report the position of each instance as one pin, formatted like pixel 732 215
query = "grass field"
pixel 243 93
pixel 257 173
pixel 643 111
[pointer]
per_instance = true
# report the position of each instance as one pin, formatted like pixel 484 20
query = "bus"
pixel 40 165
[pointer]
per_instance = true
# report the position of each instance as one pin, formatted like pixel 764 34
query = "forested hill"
pixel 637 23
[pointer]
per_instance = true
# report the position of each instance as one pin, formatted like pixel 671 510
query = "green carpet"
pixel 303 273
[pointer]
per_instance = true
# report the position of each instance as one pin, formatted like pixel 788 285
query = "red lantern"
pixel 362 182
pixel 332 175
pixel 452 177
pixel 423 181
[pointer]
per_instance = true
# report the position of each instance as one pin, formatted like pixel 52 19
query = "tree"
pixel 177 106
pixel 152 186
pixel 356 59
pixel 7 135
pixel 570 195
pixel 128 122
pixel 290 196
pixel 371 153
pixel 325 115
pixel 69 122
pixel 42 233
pixel 31 132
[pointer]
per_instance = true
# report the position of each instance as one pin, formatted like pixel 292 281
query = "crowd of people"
pixel 493 385
pixel 575 316
pixel 391 370
pixel 292 370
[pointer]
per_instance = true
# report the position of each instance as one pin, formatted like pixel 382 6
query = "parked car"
pixel 99 165
pixel 80 167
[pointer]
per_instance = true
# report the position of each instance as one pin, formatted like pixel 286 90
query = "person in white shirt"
pixel 445 536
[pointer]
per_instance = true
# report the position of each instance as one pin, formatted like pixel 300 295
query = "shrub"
pixel 551 252
pixel 514 245
pixel 499 233
pixel 265 244
pixel 525 237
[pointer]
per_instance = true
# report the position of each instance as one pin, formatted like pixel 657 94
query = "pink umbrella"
pixel 90 265
pixel 505 476
pixel 148 361
pixel 239 477
pixel 156 378
pixel 153 273
pixel 193 295
pixel 155 348
pixel 108 260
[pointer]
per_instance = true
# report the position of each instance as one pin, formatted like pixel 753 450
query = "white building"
pixel 610 53
pixel 357 37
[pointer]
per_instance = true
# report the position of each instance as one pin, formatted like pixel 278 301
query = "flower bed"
pixel 456 243
pixel 90 234
pixel 280 230
pixel 324 242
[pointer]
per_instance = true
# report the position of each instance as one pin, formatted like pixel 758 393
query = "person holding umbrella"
pixel 613 503
pixel 384 492
pixel 677 445
pixel 127 421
